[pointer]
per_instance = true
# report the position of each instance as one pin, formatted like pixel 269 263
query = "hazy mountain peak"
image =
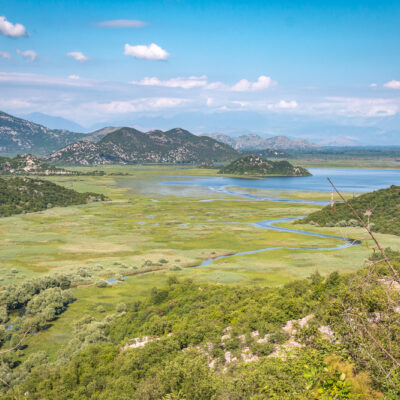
pixel 255 142
pixel 100 133
pixel 54 122
pixel 18 135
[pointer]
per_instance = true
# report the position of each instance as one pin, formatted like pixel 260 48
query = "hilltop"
pixel 21 195
pixel 97 135
pixel 257 166
pixel 256 142
pixel 382 205
pixel 18 135
pixel 128 145
pixel 28 164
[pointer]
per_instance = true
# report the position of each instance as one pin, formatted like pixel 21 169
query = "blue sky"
pixel 337 62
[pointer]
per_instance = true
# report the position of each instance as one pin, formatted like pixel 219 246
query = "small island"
pixel 255 165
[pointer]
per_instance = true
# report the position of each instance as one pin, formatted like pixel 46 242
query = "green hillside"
pixel 129 146
pixel 21 195
pixel 382 205
pixel 199 342
pixel 255 165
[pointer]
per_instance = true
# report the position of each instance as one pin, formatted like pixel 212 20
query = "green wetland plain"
pixel 147 232
pixel 170 275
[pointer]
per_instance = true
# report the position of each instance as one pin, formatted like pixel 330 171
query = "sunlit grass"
pixel 143 223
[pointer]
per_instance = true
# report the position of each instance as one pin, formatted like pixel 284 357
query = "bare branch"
pixel 16 346
pixel 369 232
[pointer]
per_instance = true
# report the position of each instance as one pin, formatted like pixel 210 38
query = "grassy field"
pixel 145 227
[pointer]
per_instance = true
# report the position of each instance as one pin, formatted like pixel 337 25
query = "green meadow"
pixel 148 232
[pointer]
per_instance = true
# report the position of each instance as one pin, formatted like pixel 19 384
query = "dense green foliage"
pixel 382 205
pixel 25 310
pixel 20 195
pixel 195 341
pixel 255 165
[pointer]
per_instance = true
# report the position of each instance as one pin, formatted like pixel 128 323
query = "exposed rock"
pixel 290 326
pixel 327 331
pixel 28 164
pixel 138 342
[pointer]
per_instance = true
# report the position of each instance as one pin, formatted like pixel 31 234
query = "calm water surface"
pixel 346 180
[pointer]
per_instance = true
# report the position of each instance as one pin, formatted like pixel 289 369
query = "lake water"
pixel 346 180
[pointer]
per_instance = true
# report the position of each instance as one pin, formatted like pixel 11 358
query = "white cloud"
pixel 11 30
pixel 75 77
pixel 283 105
pixel 123 23
pixel 356 107
pixel 78 56
pixel 136 105
pixel 37 79
pixel 373 85
pixel 392 84
pixel 185 83
pixel 245 104
pixel 242 86
pixel 150 52
pixel 263 82
pixel 15 103
pixel 215 85
pixel 5 54
pixel 30 55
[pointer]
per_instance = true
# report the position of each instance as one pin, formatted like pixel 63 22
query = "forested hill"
pixel 255 165
pixel 128 145
pixel 21 195
pixel 28 164
pixel 382 207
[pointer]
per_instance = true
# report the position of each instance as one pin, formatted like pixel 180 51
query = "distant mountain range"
pixel 21 136
pixel 53 122
pixel 256 142
pixel 253 165
pixel 268 153
pixel 128 145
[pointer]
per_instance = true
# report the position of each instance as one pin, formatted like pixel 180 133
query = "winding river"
pixel 271 224
pixel 347 180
